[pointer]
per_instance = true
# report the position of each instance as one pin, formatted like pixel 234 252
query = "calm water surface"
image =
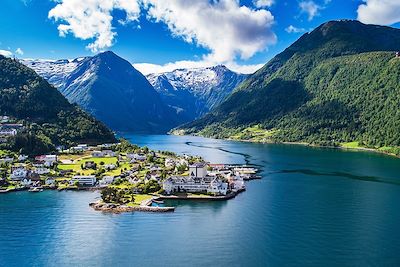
pixel 313 207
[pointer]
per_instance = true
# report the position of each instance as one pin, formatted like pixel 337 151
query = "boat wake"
pixel 344 175
pixel 247 157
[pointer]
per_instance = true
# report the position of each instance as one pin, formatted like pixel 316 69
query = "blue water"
pixel 313 207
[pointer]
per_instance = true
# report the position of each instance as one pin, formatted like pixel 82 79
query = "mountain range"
pixel 112 90
pixel 194 92
pixel 336 84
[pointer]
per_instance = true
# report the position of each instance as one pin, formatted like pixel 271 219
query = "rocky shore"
pixel 117 208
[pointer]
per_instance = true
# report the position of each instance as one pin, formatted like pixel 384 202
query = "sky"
pixel 162 35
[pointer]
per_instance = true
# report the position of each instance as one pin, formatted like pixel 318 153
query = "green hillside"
pixel 328 88
pixel 49 120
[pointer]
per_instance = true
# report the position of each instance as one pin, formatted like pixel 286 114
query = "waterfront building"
pixel 18 174
pixel 88 180
pixel 190 184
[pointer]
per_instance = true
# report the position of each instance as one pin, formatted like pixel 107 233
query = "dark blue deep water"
pixel 313 207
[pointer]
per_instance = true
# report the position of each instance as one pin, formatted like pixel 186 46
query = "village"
pixel 126 174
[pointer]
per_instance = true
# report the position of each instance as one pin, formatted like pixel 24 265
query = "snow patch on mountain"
pixel 54 71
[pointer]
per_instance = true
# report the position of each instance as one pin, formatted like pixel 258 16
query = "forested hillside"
pixel 49 119
pixel 328 88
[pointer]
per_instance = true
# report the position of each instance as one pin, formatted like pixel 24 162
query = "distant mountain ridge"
pixel 338 83
pixel 194 92
pixel 111 89
pixel 116 93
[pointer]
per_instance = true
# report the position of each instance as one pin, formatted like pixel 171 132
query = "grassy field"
pixel 139 198
pixel 4 153
pixel 76 166
pixel 351 145
pixel 254 134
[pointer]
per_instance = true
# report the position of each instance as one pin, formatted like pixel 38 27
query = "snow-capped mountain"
pixel 193 92
pixel 54 71
pixel 111 89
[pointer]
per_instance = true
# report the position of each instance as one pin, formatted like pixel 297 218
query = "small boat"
pixel 35 189
pixel 158 201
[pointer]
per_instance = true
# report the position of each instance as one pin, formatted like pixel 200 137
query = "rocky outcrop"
pixel 117 208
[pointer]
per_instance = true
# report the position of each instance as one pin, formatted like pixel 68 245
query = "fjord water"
pixel 313 207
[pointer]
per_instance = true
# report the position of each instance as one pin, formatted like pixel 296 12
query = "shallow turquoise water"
pixel 313 207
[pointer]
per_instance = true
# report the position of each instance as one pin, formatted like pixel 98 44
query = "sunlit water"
pixel 313 207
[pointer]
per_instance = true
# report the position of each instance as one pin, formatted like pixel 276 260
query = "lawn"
pixel 351 145
pixel 76 167
pixel 254 134
pixel 139 198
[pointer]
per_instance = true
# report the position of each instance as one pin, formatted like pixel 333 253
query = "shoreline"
pixel 357 149
pixel 145 206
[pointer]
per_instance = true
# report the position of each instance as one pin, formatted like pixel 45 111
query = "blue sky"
pixel 175 33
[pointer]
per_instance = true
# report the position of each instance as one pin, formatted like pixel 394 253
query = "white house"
pixel 26 182
pixel 106 180
pixel 88 180
pixel 50 181
pixel 139 157
pixel 48 160
pixel 22 157
pixel 8 131
pixel 42 171
pixel 217 187
pixel 169 163
pixel 18 174
pixel 109 153
pixel 97 154
pixel 110 166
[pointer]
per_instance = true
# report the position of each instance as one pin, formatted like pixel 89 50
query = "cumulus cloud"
pixel 6 53
pixel 92 19
pixel 147 68
pixel 226 28
pixel 310 8
pixel 19 51
pixel 293 29
pixel 379 12
pixel 263 3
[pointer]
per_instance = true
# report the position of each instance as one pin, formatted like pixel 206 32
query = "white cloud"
pixel 293 29
pixel 263 3
pixel 379 12
pixel 92 19
pixel 19 51
pixel 147 68
pixel 226 28
pixel 310 8
pixel 6 53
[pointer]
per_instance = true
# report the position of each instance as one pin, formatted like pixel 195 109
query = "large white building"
pixel 189 184
pixel 196 182
pixel 88 180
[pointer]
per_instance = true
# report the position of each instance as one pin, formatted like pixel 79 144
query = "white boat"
pixel 35 189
